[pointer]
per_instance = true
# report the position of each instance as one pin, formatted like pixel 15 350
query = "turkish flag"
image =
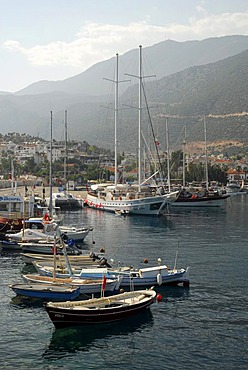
pixel 104 281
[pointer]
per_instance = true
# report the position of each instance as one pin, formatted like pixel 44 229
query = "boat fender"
pixel 159 279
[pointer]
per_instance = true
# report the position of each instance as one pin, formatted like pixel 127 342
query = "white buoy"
pixel 159 279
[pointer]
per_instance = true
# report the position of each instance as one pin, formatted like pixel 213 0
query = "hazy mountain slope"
pixel 166 57
pixel 218 90
pixel 215 88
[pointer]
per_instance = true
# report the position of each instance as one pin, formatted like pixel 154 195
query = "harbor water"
pixel 204 326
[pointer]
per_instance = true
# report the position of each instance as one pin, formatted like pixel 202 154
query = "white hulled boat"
pixel 126 198
pixel 132 199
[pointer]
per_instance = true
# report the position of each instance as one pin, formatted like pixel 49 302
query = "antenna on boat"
pixel 175 264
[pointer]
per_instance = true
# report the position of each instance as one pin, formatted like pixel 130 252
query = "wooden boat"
pixel 46 291
pixel 29 258
pixel 86 286
pixel 45 247
pixel 145 277
pixel 76 265
pixel 41 247
pixel 200 199
pixel 8 245
pixel 100 310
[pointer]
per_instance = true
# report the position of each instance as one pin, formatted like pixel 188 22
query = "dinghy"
pixel 100 310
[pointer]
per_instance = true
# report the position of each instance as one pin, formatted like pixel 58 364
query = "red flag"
pixel 104 281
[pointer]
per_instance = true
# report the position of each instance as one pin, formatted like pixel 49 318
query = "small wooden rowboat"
pixel 100 310
pixel 46 291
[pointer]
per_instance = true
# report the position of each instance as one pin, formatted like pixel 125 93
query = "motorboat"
pixel 233 187
pixel 65 201
pixel 144 277
pixel 35 229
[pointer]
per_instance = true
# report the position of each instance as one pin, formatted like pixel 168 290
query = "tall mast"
pixel 140 77
pixel 12 176
pixel 184 152
pixel 50 174
pixel 116 109
pixel 206 156
pixel 116 113
pixel 168 156
pixel 65 158
pixel 140 107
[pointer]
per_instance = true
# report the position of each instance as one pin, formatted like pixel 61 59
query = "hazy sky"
pixel 56 39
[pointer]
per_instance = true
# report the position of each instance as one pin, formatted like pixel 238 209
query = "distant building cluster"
pixel 39 151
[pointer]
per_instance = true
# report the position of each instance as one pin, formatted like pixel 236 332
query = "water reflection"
pixel 72 339
pixel 21 302
pixel 173 292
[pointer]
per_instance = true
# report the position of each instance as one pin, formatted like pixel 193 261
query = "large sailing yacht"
pixel 125 198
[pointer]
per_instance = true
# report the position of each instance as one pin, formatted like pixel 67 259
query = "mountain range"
pixel 193 79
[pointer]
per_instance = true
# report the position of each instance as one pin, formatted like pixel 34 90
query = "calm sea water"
pixel 204 326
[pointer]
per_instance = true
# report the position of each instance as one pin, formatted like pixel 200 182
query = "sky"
pixel 56 39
